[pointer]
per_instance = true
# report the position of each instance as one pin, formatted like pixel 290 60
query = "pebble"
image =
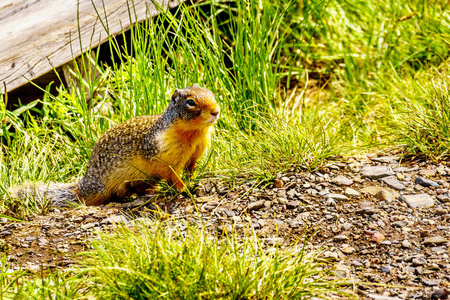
pixel 386 269
pixel 425 182
pixel 406 244
pixel 376 172
pixel 434 240
pixel 277 183
pixel 114 220
pixel 440 211
pixel 347 249
pixel 336 197
pixel 340 238
pixel 342 180
pixel 373 190
pixel 378 237
pixel 256 205
pixel 292 204
pixel 393 182
pixel 384 195
pixel 351 192
pixel 418 201
pixel 274 241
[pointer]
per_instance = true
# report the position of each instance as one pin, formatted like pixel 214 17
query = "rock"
pixel 114 220
pixel 376 172
pixel 292 204
pixel 430 282
pixel 336 197
pixel 382 297
pixel 342 180
pixel 385 159
pixel 330 255
pixel 351 192
pixel 440 211
pixel 425 182
pixel 443 198
pixel 292 223
pixel 440 294
pixel 340 238
pixel 5 232
pixel 434 240
pixel 366 209
pixel 383 195
pixel 347 249
pixel 419 261
pixel 373 190
pixel 418 201
pixel 30 238
pixel 256 205
pixel 378 237
pixel 277 183
pixel 406 244
pixel 89 225
pixel 274 241
pixel 393 182
pixel 386 269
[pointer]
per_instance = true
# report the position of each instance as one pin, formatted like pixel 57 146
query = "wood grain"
pixel 37 36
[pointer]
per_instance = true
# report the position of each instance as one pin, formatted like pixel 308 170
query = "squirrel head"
pixel 195 106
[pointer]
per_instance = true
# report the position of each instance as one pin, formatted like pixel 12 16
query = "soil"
pixel 379 220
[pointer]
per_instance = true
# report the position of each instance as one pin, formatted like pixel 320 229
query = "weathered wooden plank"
pixel 39 35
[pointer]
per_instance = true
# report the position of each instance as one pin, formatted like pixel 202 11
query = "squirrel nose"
pixel 215 113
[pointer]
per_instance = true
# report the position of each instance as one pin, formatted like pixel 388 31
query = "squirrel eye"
pixel 191 102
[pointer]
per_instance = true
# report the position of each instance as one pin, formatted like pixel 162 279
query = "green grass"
pixel 168 261
pixel 298 82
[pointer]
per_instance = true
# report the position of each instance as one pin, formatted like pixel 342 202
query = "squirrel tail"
pixel 60 194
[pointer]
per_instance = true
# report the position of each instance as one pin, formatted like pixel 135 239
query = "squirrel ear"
pixel 196 85
pixel 176 94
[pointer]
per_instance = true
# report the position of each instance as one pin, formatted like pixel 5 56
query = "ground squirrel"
pixel 133 156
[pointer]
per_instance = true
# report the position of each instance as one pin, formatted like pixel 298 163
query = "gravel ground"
pixel 380 220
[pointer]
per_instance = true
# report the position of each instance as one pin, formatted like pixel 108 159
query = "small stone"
pixel 440 294
pixel 430 282
pixel 30 238
pixel 292 204
pixel 400 176
pixel 384 195
pixel 419 261
pixel 340 238
pixel 385 159
pixel 274 241
pixel 366 210
pixel 393 182
pixel 336 197
pixel 386 269
pixel 114 220
pixel 406 244
pixel 418 201
pixel 347 250
pixel 291 193
pixel 351 192
pixel 292 223
pixel 378 237
pixel 443 198
pixel 229 213
pixel 330 255
pixel 425 182
pixel 434 240
pixel 89 225
pixel 277 183
pixel 373 190
pixel 256 205
pixel 342 180
pixel 376 172
pixel 441 211
pixel 5 232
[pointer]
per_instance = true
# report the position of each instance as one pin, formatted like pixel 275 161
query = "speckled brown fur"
pixel 133 156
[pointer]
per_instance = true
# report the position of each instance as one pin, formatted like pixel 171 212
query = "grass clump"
pixel 184 262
